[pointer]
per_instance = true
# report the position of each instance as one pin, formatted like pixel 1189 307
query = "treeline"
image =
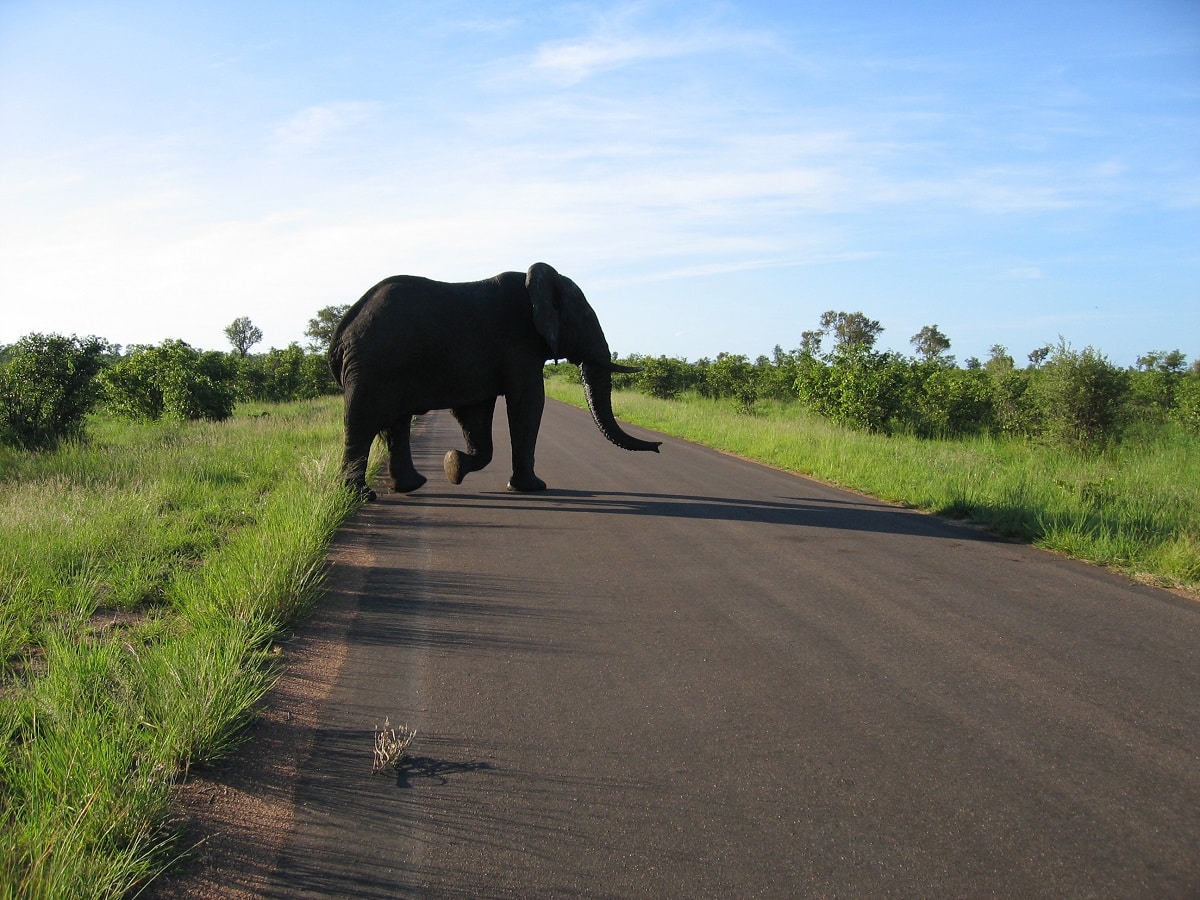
pixel 50 383
pixel 1067 396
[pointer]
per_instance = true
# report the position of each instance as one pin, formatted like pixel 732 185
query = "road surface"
pixel 686 675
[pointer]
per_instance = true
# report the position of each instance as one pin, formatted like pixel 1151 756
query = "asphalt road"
pixel 686 675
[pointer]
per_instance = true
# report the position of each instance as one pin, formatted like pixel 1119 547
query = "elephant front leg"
pixel 476 422
pixel 524 421
pixel 404 475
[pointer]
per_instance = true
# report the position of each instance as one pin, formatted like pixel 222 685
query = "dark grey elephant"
pixel 411 345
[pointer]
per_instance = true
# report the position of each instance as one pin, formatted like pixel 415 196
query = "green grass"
pixel 143 577
pixel 145 573
pixel 1135 508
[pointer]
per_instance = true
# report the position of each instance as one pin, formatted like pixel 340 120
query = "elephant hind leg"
pixel 404 476
pixel 354 462
pixel 476 422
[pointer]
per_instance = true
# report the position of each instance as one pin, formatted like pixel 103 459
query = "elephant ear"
pixel 544 292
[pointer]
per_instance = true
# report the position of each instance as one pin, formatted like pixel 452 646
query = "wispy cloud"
pixel 313 126
pixel 650 147
pixel 624 37
pixel 573 62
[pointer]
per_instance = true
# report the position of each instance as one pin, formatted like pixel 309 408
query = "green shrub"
pixel 777 375
pixel 950 402
pixel 280 376
pixel 664 377
pixel 47 388
pixel 1187 402
pixel 732 376
pixel 172 379
pixel 1014 405
pixel 859 388
pixel 1082 398
pixel 567 371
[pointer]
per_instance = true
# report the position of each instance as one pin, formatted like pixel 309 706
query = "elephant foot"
pixel 409 483
pixel 526 484
pixel 457 464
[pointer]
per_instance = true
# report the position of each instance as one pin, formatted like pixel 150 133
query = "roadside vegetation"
pixel 1067 452
pixel 144 575
pixel 165 511
pixel 164 515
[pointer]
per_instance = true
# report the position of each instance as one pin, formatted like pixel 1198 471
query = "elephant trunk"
pixel 597 388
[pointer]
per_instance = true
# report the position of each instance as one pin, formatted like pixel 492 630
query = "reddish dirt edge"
pixel 234 815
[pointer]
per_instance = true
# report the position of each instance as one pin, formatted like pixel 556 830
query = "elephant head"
pixel 568 324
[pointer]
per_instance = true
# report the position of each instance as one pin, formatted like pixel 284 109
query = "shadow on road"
pixel 428 769
pixel 867 515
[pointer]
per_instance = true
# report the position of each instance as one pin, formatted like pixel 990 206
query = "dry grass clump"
pixel 390 746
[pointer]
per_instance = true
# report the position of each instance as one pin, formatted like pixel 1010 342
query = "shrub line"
pixel 1132 508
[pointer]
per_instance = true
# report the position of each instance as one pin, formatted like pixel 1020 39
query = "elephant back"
pixel 337 348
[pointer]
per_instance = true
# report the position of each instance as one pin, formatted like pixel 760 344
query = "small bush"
pixel 950 402
pixel 733 376
pixel 859 388
pixel 280 376
pixel 47 388
pixel 663 377
pixel 1082 398
pixel 172 379
pixel 1187 403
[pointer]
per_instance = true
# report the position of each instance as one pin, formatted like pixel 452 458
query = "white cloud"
pixel 646 144
pixel 624 38
pixel 313 126
pixel 574 62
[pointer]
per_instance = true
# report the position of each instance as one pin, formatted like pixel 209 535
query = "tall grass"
pixel 1135 508
pixel 143 576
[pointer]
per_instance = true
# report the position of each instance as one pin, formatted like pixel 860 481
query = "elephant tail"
pixel 337 350
pixel 336 354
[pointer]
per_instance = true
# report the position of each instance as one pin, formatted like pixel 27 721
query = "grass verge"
pixel 143 577
pixel 1135 509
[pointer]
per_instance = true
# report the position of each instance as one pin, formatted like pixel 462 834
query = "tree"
pixel 999 363
pixel 1169 361
pixel 1038 355
pixel 243 334
pixel 1163 371
pixel 47 388
pixel 320 330
pixel 931 345
pixel 852 384
pixel 810 343
pixel 851 332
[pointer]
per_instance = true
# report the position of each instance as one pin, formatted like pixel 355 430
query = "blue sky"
pixel 713 175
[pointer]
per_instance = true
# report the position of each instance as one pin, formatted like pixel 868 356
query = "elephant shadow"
pixel 851 515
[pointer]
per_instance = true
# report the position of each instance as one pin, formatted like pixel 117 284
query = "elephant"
pixel 411 345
